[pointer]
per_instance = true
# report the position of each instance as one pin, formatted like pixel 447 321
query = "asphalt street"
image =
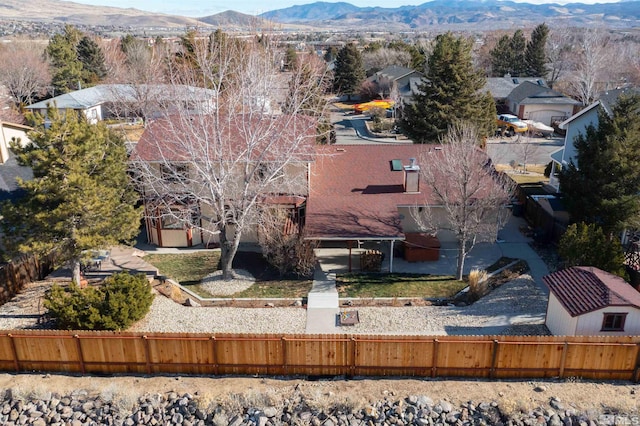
pixel 351 130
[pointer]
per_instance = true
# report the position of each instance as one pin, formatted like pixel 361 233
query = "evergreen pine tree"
pixel 536 56
pixel 66 68
pixel 601 186
pixel 290 58
pixel 92 59
pixel 587 245
pixel 502 57
pixel 518 59
pixel 349 71
pixel 508 56
pixel 451 93
pixel 80 197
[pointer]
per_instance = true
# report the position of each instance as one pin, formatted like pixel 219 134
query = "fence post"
pixel 147 354
pixel 563 359
pixel 214 356
pixel 494 358
pixel 285 367
pixel 636 370
pixel 354 351
pixel 80 355
pixel 434 360
pixel 16 362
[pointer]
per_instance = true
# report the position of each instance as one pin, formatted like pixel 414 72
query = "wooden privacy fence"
pixel 19 272
pixel 605 358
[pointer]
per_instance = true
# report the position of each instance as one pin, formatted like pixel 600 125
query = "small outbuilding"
pixel 587 301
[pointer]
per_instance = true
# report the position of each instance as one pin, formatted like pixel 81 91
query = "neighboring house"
pixel 9 131
pixel 501 87
pixel 586 301
pixel 536 102
pixel 179 216
pixel 398 83
pixel 577 124
pixel 106 101
pixel 10 171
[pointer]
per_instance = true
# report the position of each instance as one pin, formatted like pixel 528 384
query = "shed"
pixel 587 301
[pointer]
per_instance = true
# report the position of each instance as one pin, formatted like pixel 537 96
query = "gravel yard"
pixel 517 307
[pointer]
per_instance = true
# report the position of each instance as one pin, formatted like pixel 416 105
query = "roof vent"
pixel 412 176
pixel 515 81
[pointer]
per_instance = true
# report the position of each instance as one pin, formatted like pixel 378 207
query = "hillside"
pixel 459 14
pixel 80 14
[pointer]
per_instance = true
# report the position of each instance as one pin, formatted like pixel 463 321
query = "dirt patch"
pixel 514 396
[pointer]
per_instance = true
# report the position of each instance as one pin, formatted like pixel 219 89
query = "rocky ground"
pixel 69 400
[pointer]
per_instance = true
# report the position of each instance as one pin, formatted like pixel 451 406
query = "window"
pixel 613 322
pixel 173 173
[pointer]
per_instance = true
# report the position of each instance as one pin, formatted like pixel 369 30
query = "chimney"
pixel 412 176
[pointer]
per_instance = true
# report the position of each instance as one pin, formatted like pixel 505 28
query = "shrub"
pixel 285 250
pixel 119 302
pixel 478 284
pixel 587 245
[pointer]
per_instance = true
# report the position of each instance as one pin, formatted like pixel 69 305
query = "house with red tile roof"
pixel 587 301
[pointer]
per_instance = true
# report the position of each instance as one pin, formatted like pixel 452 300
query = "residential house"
pixel 536 102
pixel 501 87
pixel 106 101
pixel 577 124
pixel 360 193
pixel 586 301
pixel 9 132
pixel 182 160
pixel 396 82
pixel 10 170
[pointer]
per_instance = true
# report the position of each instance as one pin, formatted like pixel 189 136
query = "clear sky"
pixel 199 8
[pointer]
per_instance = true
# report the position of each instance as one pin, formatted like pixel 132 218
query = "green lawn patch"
pixel 398 285
pixel 190 268
pixel 187 267
pixel 276 289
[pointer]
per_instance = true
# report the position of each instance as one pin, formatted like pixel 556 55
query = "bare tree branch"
pixel 467 189
pixel 211 171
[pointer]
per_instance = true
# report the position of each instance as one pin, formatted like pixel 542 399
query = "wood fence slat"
pixel 599 357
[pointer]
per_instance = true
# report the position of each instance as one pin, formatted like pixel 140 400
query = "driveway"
pixel 523 149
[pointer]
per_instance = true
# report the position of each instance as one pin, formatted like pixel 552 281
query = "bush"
pixel 122 300
pixel 478 284
pixel 587 245
pixel 288 252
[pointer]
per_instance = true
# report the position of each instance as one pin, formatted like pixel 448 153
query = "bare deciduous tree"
pixel 24 71
pixel 467 188
pixel 384 57
pixel 282 243
pixel 590 63
pixel 212 171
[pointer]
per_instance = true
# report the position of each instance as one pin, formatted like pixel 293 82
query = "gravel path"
pixel 516 303
pixel 517 307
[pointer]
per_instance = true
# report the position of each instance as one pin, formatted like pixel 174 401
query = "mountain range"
pixel 436 14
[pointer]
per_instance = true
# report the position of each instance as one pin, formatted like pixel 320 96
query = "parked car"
pixel 511 124
pixel 378 103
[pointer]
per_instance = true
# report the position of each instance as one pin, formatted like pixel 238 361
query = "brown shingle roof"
pixel 354 194
pixel 584 289
pixel 194 137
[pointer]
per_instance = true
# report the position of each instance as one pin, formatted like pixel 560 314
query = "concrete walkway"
pixel 323 303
